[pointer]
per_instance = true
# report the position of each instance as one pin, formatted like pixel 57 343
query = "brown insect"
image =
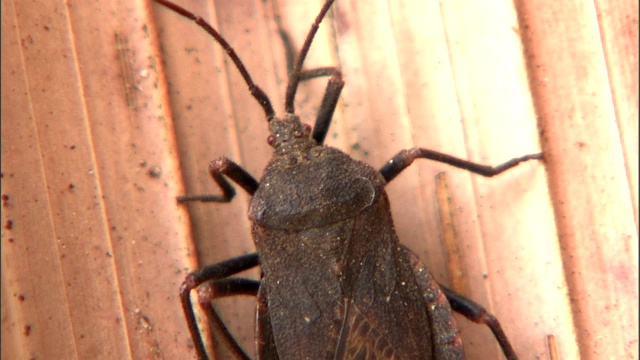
pixel 336 282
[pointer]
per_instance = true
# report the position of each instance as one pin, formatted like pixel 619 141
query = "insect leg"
pixel 287 43
pixel 478 314
pixel 226 167
pixel 405 158
pixel 210 291
pixel 218 287
pixel 329 101
pixel 447 342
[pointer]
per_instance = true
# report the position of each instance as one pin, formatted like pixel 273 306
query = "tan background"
pixel 94 247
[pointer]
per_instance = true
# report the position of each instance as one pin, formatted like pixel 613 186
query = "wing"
pixel 393 308
pixel 385 314
pixel 359 339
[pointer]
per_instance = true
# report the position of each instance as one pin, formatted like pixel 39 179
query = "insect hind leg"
pixel 212 282
pixel 478 314
pixel 446 339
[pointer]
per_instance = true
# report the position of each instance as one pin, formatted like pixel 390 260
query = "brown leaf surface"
pixel 98 246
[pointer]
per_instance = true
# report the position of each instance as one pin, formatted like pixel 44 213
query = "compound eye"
pixel 307 128
pixel 271 140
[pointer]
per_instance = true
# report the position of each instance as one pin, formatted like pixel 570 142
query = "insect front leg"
pixel 212 283
pixel 218 170
pixel 329 101
pixel 331 94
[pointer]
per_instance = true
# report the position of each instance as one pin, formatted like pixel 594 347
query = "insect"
pixel 336 282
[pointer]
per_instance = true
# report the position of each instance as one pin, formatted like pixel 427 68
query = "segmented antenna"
pixel 294 77
pixel 254 89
